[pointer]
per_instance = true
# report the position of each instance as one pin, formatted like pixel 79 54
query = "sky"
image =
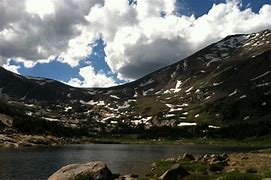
pixel 102 43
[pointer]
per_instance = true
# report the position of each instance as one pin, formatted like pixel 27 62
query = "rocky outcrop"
pixel 92 170
pixel 174 173
pixel 6 120
pixel 16 140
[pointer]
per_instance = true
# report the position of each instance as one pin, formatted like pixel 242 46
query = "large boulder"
pixel 92 171
pixel 174 173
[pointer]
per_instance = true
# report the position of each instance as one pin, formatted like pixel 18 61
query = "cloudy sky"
pixel 99 43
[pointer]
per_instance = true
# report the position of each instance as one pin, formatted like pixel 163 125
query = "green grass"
pixel 261 142
pixel 267 174
pixel 149 106
pixel 198 177
pixel 200 169
pixel 160 168
pixel 251 170
pixel 240 176
pixel 195 166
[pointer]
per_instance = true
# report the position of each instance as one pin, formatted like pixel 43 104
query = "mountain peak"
pixel 227 82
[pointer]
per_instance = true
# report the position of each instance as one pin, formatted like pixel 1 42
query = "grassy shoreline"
pixel 264 142
pixel 236 166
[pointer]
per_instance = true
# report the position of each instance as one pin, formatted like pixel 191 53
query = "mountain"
pixel 226 84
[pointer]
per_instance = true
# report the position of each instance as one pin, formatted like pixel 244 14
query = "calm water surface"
pixel 39 163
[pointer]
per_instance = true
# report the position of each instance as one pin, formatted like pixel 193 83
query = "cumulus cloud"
pixel 139 38
pixel 44 30
pixel 92 79
pixel 153 41
pixel 12 68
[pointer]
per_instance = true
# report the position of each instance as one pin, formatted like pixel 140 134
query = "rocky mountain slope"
pixel 224 84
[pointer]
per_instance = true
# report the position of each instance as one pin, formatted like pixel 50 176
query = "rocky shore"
pixel 23 140
pixel 236 166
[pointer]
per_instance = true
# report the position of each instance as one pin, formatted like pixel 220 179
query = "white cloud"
pixel 41 8
pixel 138 40
pixel 35 30
pixel 12 68
pixel 92 79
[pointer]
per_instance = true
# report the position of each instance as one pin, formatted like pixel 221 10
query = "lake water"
pixel 40 162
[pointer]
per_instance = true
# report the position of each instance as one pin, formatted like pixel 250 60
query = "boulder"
pixel 92 170
pixel 174 173
pixel 190 157
pixel 205 158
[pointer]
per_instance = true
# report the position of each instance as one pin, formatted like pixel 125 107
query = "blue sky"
pixel 200 8
pixel 64 71
pixel 97 59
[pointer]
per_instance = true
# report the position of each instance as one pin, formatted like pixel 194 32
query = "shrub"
pixel 240 176
pixel 251 170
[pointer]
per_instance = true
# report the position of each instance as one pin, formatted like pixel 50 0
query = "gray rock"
pixel 92 170
pixel 129 177
pixel 174 173
pixel 225 155
pixel 188 156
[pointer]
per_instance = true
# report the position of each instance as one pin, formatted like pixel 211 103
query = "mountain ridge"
pixel 224 84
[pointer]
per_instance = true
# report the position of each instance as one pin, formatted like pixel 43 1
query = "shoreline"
pixel 253 165
pixel 26 140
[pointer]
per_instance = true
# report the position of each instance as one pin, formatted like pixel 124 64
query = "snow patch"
pixel 188 90
pixel 146 92
pixel 174 110
pixel 169 115
pixel 184 105
pixel 184 65
pixel 114 96
pixel 260 76
pixel 50 119
pixel 150 81
pixel 177 87
pixel 181 124
pixel 233 93
pixel 67 108
pixel 262 85
pixel 246 118
pixel 124 106
pixel 217 84
pixel 242 97
pixel 213 127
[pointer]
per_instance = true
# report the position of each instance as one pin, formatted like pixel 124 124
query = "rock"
pixel 205 158
pixel 174 173
pixel 231 170
pixel 129 177
pixel 6 120
pixel 213 155
pixel 244 158
pixel 171 159
pixel 233 163
pixel 188 156
pixel 92 170
pixel 220 163
pixel 225 155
